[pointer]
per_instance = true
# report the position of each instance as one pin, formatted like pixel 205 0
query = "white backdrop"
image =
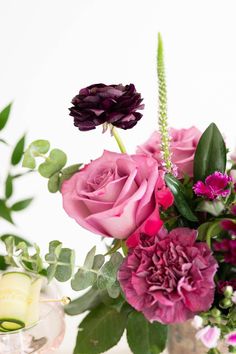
pixel 51 48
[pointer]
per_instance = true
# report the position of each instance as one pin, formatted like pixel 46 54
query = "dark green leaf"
pixel 210 154
pixel 5 212
pixel 145 337
pixel 54 163
pixel 86 302
pixel 100 330
pixel 4 115
pixel 18 151
pixel 8 187
pixel 3 265
pixel 22 204
pixel 17 239
pixel 54 183
pixel 181 203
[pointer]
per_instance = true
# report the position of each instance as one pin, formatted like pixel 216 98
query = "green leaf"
pixel 22 204
pixel 39 147
pixel 28 160
pixel 83 278
pixel 180 199
pixel 69 171
pixel 108 273
pixel 208 230
pixel 100 330
pixel 89 259
pixel 17 239
pixel 54 183
pixel 52 256
pixel 8 187
pixel 5 212
pixel 4 141
pixel 145 337
pixel 88 301
pixel 54 163
pixel 36 148
pixel 98 261
pixel 214 207
pixel 114 290
pixel 210 154
pixel 65 272
pixel 18 151
pixel 4 115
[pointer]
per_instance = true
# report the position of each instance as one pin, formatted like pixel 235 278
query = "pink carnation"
pixel 215 185
pixel 183 146
pixel 169 277
pixel 117 194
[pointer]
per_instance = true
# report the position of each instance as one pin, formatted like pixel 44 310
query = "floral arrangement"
pixel 170 212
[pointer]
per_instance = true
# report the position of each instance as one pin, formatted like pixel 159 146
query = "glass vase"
pixel 42 338
pixel 182 341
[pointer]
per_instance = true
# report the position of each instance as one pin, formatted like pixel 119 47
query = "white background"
pixel 49 49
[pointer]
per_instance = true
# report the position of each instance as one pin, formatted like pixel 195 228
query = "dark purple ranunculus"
pixel 169 277
pixel 100 103
pixel 228 248
pixel 221 285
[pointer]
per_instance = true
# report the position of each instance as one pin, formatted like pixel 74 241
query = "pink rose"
pixel 169 277
pixel 117 194
pixel 183 146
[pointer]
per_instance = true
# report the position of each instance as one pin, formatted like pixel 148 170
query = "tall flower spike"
pixel 162 112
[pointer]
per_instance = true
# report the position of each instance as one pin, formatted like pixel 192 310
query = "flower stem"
pixel 118 140
pixel 162 112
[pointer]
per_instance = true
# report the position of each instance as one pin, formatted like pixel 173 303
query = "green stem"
pixel 118 140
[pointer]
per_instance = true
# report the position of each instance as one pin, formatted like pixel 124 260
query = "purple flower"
pixel 216 184
pixel 100 103
pixel 169 277
pixel 228 248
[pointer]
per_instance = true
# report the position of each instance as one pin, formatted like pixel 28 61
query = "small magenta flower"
pixel 231 338
pixel 209 336
pixel 229 225
pixel 216 185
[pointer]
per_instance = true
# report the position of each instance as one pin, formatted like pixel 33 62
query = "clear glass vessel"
pixel 42 338
pixel 182 340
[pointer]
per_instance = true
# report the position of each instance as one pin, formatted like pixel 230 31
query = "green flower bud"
pixel 228 292
pixel 215 312
pixel 226 303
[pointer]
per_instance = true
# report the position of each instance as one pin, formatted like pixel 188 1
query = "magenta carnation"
pixel 169 277
pixel 228 248
pixel 215 185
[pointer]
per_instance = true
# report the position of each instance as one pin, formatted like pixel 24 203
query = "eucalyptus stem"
pixel 119 141
pixel 162 111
